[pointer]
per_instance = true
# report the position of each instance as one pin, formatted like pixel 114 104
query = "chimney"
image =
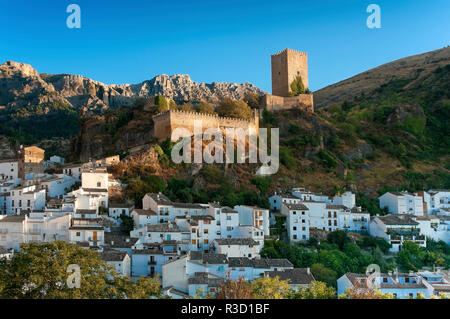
pixel 308 271
pixel 127 240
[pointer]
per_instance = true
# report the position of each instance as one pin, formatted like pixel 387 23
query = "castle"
pixel 166 122
pixel 286 65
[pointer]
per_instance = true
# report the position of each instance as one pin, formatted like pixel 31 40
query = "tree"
pixel 234 289
pixel 40 270
pixel 363 292
pixel 316 290
pixel 204 107
pixel 161 103
pixel 127 224
pixel 339 238
pixel 324 274
pixel 252 99
pixel 297 86
pixel 187 107
pixel 234 108
pixel 270 288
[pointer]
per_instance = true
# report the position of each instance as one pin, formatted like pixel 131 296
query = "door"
pixel 95 236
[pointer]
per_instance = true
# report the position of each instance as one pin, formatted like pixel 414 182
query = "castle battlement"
pixel 197 115
pixel 166 122
pixel 290 50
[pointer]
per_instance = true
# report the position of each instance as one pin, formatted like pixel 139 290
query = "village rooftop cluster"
pixel 195 247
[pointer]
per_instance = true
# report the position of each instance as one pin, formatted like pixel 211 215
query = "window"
pixel 329 222
pixel 99 184
pixel 329 214
pixel 335 222
pixel 335 214
pixel 193 241
pixel 303 228
pixel 228 217
pixel 193 230
pixel 294 213
pixel 78 234
pixel 385 279
pixel 303 221
pixel 295 236
pixel 206 241
pixel 303 213
pixel 294 228
pixel 205 231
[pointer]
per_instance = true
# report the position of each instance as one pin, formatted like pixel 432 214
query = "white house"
pixel 26 198
pixel 120 260
pixel 13 231
pixel 402 203
pixel 397 229
pixel 116 210
pixel 9 170
pixel 73 170
pixel 297 221
pixel 226 219
pixel 237 247
pixel 142 217
pixel 306 195
pixel 254 216
pixel 436 201
pixel 279 198
pixel 347 199
pixel 55 185
pixel 402 286
pixel 86 230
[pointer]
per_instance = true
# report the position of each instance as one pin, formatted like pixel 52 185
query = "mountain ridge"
pixel 91 95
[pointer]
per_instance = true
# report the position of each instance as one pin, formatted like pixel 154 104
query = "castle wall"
pixel 168 121
pixel 279 103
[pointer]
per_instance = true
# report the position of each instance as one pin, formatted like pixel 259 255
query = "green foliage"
pixel 161 103
pixel 324 274
pixel 39 271
pixel 268 117
pixel 138 186
pixel 327 160
pixel 286 157
pixel 297 86
pixel 262 183
pixel 252 100
pixel 32 124
pixel 126 225
pixel 204 107
pixel 413 257
pixel 371 205
pixel 316 290
pixel 234 108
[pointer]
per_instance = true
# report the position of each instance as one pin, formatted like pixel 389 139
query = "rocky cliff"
pixel 22 85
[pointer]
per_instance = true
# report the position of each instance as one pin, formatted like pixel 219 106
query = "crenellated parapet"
pixel 167 121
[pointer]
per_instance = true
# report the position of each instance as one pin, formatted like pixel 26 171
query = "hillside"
pixel 414 68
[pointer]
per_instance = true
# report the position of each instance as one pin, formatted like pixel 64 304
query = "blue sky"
pixel 218 40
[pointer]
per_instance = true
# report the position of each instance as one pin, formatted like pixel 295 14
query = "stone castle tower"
pixel 286 66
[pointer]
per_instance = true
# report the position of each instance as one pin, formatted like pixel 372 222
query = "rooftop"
pixel 296 276
pixel 236 241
